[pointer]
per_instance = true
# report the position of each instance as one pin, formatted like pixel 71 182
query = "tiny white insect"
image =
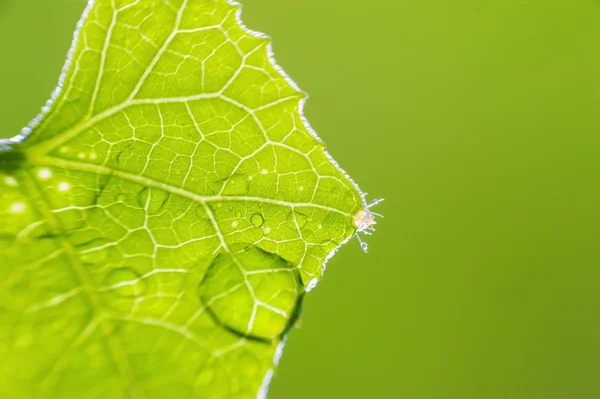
pixel 364 220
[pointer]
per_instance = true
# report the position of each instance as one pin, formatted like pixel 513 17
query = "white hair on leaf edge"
pixel 361 228
pixel 54 96
pixel 313 283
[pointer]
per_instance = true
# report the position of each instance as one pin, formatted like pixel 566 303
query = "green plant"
pixel 162 219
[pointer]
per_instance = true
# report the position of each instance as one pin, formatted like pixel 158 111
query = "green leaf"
pixel 162 219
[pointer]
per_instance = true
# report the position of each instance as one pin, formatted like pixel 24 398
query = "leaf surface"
pixel 161 220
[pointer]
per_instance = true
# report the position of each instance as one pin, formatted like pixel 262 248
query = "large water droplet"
pixel 125 282
pixel 257 220
pixel 254 293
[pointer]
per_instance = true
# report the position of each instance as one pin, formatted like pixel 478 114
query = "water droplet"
pixel 275 290
pixel 297 218
pixel 238 214
pixel 234 224
pixel 64 186
pixel 230 208
pixel 264 171
pixel 121 197
pixel 63 150
pixel 125 282
pixel 154 200
pixel 10 181
pixel 257 220
pixel 267 230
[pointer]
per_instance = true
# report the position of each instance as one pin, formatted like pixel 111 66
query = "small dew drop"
pixel 301 188
pixel 264 171
pixel 64 186
pixel 63 150
pixel 93 156
pixel 17 207
pixel 44 174
pixel 81 155
pixel 320 226
pixel 250 177
pixel 267 230
pixel 234 224
pixel 238 214
pixel 10 181
pixel 121 197
pixel 230 208
pixel 126 283
pixel 257 220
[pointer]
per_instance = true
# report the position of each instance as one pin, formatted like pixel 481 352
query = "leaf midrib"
pixel 105 170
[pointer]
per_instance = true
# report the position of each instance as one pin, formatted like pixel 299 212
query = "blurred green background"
pixel 478 122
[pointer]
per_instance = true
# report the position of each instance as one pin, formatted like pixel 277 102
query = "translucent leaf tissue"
pixel 164 216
